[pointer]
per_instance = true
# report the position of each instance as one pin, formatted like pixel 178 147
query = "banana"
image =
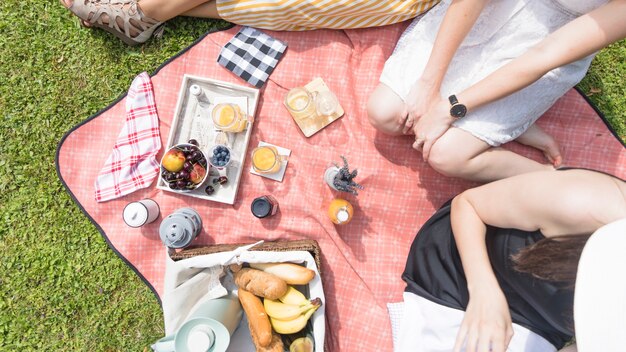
pixel 292 274
pixel 281 311
pixel 293 296
pixel 294 325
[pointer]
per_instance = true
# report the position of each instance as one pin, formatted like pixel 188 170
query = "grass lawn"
pixel 61 287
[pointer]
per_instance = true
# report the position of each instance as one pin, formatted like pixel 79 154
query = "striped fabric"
pixel 300 15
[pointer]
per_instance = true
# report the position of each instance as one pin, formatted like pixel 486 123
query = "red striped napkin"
pixel 132 164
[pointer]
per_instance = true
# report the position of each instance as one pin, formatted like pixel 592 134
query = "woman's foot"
pixel 537 138
pixel 129 23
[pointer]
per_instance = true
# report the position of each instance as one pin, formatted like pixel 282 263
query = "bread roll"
pixel 258 321
pixel 260 283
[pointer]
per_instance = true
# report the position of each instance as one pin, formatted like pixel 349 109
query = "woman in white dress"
pixel 471 75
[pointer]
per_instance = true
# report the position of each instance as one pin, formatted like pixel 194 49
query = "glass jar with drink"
pixel 267 160
pixel 229 118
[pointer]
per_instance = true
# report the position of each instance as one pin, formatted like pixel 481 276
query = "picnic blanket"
pixel 361 261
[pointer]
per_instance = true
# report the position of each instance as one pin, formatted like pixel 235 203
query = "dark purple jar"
pixel 264 206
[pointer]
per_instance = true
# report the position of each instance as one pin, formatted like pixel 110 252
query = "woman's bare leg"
pixel 536 137
pixel 206 10
pixel 458 153
pixel 386 110
pixel 163 10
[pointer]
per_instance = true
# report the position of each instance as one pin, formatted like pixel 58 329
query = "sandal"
pixel 137 28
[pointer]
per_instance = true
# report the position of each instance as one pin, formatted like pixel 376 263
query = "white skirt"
pixel 431 327
pixel 505 30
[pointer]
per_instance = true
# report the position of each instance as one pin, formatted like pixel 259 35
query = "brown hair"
pixel 552 259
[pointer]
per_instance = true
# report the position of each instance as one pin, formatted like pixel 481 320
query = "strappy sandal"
pixel 126 11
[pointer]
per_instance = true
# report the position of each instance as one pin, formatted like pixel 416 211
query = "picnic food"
pixel 197 173
pixel 282 311
pixel 183 167
pixel 260 283
pixel 221 156
pixel 302 344
pixel 173 160
pixel 258 322
pixel 210 189
pixel 293 325
pixel 340 211
pixel 292 274
pixel 266 160
pixel 293 296
pixel 229 118
pixel 275 346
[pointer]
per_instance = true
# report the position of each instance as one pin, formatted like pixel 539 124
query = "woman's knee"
pixel 383 112
pixel 446 159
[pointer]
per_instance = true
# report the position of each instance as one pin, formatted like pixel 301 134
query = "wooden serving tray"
pixel 311 125
pixel 192 120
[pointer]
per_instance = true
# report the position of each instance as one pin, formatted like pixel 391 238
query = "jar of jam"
pixel 264 206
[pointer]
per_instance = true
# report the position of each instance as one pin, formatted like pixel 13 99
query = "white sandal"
pixel 91 11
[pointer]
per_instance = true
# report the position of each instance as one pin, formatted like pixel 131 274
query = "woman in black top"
pixel 507 252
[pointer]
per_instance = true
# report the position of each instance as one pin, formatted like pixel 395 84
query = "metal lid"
pixel 176 231
pixel 135 214
pixel 261 207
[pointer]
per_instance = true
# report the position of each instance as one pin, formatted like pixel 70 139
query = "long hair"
pixel 553 259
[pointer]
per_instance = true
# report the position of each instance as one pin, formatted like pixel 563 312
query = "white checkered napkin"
pixel 252 55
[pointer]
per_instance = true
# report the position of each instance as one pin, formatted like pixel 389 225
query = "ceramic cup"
pixel 137 214
pixel 208 328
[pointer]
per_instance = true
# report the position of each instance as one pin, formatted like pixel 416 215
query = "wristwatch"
pixel 457 110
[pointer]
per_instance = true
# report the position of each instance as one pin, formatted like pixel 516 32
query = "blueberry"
pixel 209 190
pixel 216 151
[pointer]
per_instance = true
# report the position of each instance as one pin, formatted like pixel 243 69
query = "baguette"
pixel 260 283
pixel 275 346
pixel 258 321
pixel 293 274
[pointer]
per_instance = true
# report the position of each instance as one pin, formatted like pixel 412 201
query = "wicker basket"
pixel 310 246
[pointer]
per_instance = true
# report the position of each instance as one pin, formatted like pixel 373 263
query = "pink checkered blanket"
pixel 361 261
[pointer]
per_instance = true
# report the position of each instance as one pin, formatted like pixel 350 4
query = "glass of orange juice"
pixel 300 103
pixel 266 160
pixel 229 118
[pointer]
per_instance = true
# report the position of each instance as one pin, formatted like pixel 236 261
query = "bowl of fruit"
pixel 184 167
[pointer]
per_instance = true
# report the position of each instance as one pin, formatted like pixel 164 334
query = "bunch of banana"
pixel 291 312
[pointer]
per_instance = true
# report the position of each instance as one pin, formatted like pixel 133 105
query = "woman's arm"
pixel 487 321
pixel 575 40
pixel 456 24
pixel 555 202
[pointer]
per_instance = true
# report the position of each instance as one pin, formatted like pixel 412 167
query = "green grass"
pixel 61 287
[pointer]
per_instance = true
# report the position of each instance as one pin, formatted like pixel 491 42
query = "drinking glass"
pixel 300 103
pixel 266 160
pixel 229 118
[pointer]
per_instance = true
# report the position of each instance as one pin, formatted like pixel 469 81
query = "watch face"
pixel 458 110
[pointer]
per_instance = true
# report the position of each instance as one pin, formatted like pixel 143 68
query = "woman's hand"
pixel 418 102
pixel 431 126
pixel 487 322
